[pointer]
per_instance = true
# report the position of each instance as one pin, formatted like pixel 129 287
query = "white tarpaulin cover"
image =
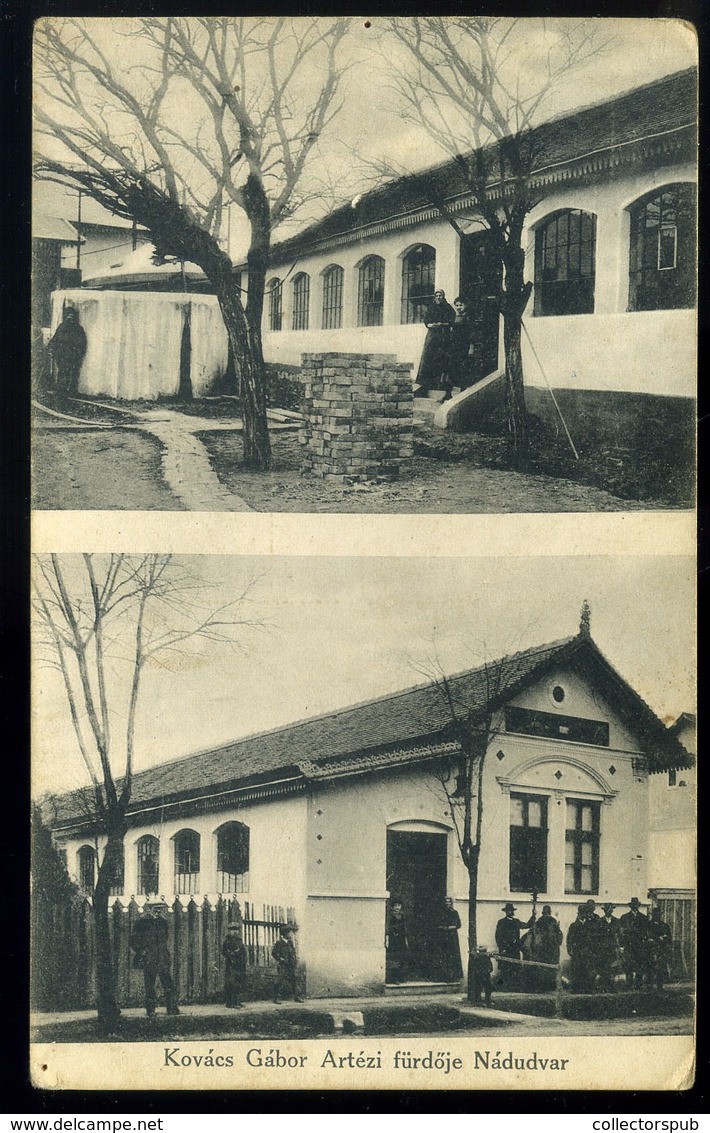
pixel 133 341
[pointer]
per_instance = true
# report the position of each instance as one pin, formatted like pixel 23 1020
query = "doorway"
pixel 416 875
pixel 480 275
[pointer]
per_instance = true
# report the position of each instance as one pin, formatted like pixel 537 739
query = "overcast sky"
pixel 342 630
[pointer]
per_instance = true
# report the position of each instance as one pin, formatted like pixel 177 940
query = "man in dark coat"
pixel 448 964
pixel 661 948
pixel 284 953
pixel 481 966
pixel 235 968
pixel 546 939
pixel 508 931
pixel 67 348
pixel 579 949
pixel 635 944
pixel 608 950
pixel 397 955
pixel 149 941
pixel 433 370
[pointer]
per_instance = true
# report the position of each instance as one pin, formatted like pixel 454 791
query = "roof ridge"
pixel 559 643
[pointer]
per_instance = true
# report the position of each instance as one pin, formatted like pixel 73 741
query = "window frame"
pixel 333 290
pixel 275 289
pixel 414 307
pixel 240 878
pixel 186 881
pixel 83 855
pixel 370 311
pixel 301 295
pixel 653 285
pixel 578 838
pixel 520 859
pixel 572 290
pixel 141 859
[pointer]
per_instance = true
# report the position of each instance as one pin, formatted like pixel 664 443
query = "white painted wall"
pixel 276 837
pixel 649 352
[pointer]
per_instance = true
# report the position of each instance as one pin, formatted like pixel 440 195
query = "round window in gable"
pixel 558 694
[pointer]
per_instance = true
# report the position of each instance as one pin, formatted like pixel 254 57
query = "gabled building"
pixel 335 815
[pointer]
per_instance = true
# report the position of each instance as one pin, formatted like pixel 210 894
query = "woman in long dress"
pixel 450 968
pixel 433 370
pixel 396 945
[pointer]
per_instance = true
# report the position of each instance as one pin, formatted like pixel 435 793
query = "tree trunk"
pixel 250 363
pixel 107 1006
pixel 472 866
pixel 515 299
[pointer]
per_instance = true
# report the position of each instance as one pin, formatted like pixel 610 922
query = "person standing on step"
pixel 397 959
pixel 433 372
pixel 449 965
pixel 284 953
pixel 461 349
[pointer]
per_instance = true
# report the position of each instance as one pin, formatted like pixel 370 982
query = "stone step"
pixel 422 987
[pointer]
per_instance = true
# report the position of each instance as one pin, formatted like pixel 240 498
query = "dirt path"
pixel 429 486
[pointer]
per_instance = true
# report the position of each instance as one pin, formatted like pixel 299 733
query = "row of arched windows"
pixel 418 270
pixel 232 864
pixel 661 268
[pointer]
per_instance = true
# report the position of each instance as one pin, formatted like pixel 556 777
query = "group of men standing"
pixel 598 948
pixel 149 941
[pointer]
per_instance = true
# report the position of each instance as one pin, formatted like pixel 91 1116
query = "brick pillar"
pixel 357 416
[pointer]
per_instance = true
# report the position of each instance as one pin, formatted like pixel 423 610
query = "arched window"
pixel 148 850
pixel 662 250
pixel 187 861
pixel 86 868
pixel 275 304
pixel 371 292
pixel 233 858
pixel 332 297
pixel 418 268
pixel 564 264
pixel 301 300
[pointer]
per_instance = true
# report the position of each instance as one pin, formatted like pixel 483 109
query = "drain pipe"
pixel 552 392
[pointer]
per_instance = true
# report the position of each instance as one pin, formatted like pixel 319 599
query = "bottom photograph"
pixel 332 797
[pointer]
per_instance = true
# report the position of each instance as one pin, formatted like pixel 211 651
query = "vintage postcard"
pixel 363 579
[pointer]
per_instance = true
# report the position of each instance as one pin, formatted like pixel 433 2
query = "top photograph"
pixel 364 265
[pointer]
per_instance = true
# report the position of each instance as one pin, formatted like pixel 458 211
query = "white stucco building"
pixel 335 815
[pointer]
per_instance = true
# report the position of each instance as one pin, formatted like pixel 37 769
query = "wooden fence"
pixel 64 960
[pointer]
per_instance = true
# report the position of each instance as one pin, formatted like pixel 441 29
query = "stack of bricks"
pixel 357 416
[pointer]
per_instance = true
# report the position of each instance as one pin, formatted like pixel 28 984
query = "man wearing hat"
pixel 67 348
pixel 635 944
pixel 508 932
pixel 149 941
pixel 608 947
pixel 546 941
pixel 284 953
pixel 661 948
pixel 235 968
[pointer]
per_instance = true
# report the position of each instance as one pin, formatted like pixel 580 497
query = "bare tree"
pixel 102 619
pixel 470 83
pixel 168 121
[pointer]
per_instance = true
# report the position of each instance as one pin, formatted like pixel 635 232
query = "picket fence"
pixel 64 976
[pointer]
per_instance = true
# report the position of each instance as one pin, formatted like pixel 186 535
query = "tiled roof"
pixel 663 114
pixel 404 727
